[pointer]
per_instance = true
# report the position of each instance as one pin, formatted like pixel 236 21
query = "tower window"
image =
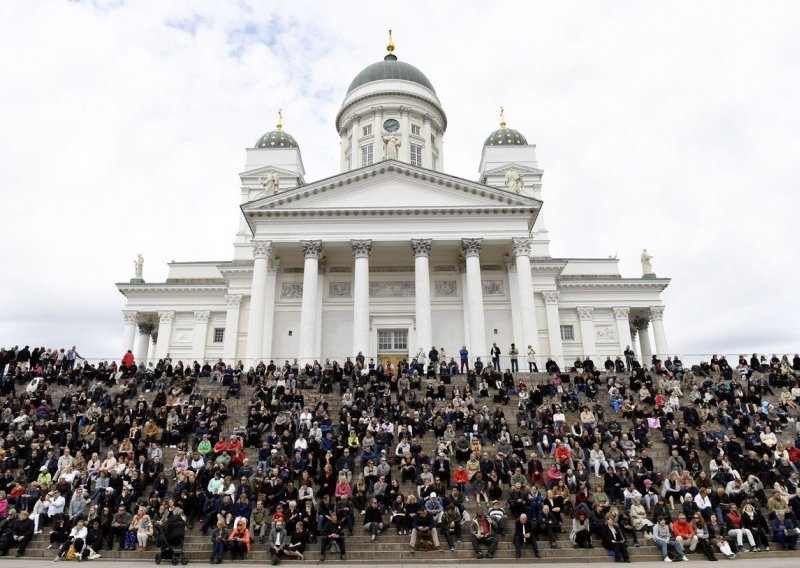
pixel 367 130
pixel 415 129
pixel 416 155
pixel 219 334
pixel 567 333
pixel 366 155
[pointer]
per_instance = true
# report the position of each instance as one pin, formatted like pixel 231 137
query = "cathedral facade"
pixel 392 255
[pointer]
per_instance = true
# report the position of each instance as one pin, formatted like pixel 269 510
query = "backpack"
pixel 70 554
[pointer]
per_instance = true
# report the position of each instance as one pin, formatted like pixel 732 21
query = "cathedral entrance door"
pixel 392 345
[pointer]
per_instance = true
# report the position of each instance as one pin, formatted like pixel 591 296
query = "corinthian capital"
pixel 522 246
pixel 312 249
pixel 233 300
pixel 361 248
pixel 262 249
pixel 621 312
pixel 421 247
pixel 586 312
pixel 471 247
pixel 656 313
pixel 129 316
pixel 550 296
pixel 166 316
pixel 201 316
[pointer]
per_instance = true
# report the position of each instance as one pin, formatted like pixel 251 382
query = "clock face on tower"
pixel 391 125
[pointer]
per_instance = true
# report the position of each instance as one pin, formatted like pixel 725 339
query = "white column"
pixel 361 251
pixel 312 251
pixel 513 292
pixel 471 249
pixel 377 141
pixel 322 271
pixel 343 150
pixel 129 331
pixel 427 150
pixel 530 327
pixel 405 129
pixel 462 268
pixel 143 344
pixel 586 315
pixel 273 267
pixel 621 314
pixel 231 340
pixel 165 320
pixel 355 124
pixel 255 323
pixel 644 343
pixel 200 335
pixel 553 327
pixel 440 147
pixel 657 317
pixel 422 293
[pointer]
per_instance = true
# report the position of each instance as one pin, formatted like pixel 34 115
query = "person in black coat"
pixel 373 520
pixel 525 533
pixel 22 530
pixel 614 540
pixel 548 525
pixel 332 531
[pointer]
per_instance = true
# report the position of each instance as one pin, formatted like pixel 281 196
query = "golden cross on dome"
pixel 279 126
pixel 390 44
pixel 502 118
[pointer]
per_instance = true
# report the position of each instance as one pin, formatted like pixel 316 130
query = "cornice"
pixel 150 289
pixel 430 101
pixel 621 283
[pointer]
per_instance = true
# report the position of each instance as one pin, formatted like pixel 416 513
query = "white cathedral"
pixel 392 255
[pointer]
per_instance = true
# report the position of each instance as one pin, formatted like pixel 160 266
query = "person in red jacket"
pixel 234 445
pixel 684 533
pixel 563 456
pixel 127 360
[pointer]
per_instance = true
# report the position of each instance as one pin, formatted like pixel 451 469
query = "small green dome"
pixel 506 137
pixel 277 139
pixel 390 68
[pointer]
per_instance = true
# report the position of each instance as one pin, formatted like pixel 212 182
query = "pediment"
pixel 512 166
pixel 264 170
pixel 391 185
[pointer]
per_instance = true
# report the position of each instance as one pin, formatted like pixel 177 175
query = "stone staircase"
pixel 391 547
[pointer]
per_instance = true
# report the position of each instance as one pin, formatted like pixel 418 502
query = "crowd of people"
pixel 432 450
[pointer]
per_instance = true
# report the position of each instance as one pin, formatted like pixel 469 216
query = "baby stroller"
pixel 170 540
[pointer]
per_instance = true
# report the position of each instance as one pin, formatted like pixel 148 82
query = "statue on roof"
pixel 391 147
pixel 138 266
pixel 514 180
pixel 647 266
pixel 270 184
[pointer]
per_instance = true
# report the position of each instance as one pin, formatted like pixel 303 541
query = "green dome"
pixel 390 68
pixel 506 137
pixel 276 139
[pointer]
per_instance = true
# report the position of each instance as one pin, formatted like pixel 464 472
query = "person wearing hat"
pixel 497 516
pixel 434 507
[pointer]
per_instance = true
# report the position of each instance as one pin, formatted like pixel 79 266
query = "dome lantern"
pixel 505 136
pixel 277 138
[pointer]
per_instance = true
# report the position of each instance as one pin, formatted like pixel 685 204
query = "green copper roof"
pixel 390 68
pixel 276 139
pixel 505 137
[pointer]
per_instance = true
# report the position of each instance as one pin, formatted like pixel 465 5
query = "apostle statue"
pixel 647 266
pixel 138 266
pixel 391 147
pixel 270 184
pixel 514 181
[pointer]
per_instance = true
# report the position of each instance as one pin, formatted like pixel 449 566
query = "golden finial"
pixel 279 126
pixel 390 44
pixel 502 118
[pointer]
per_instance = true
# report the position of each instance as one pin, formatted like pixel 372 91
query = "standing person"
pixel 532 367
pixel 218 539
pixel 495 353
pixel 614 540
pixel 524 533
pixel 433 358
pixel 464 354
pixel 629 357
pixel 277 542
pixel 72 356
pixel 514 354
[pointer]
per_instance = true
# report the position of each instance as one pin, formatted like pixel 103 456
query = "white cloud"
pixel 666 125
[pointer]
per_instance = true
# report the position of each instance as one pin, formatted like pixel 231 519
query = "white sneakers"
pixel 685 559
pixel 667 559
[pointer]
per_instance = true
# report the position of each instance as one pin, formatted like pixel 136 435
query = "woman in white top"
pixel 77 537
pixel 597 458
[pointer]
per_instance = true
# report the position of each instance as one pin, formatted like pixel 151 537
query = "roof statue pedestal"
pixel 647 266
pixel 138 268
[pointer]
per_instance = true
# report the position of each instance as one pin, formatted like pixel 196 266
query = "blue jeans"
pixel 664 546
pixel 218 550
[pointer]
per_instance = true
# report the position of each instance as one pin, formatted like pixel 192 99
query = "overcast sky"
pixel 668 125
